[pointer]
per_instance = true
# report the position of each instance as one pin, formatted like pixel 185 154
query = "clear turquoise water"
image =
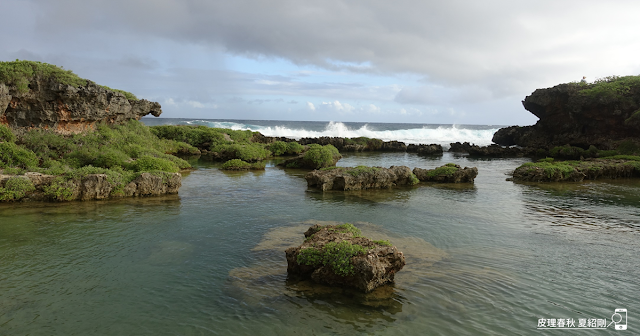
pixel 484 259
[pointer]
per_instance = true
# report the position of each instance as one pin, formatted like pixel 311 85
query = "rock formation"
pixel 359 178
pixel 421 149
pixel 449 173
pixel 67 109
pixel 337 255
pixel 96 186
pixel 590 169
pixel 599 114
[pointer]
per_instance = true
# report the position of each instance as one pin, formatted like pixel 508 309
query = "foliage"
pixel 201 136
pixel 547 159
pixel 128 95
pixel 12 155
pixel 245 152
pixel 444 170
pixel 383 242
pixel 359 170
pixel 60 189
pixel 322 156
pixel 628 147
pixel 6 134
pixel 281 148
pixel 148 163
pixel 20 73
pixel 611 88
pixel 564 168
pixel 335 255
pixel 624 157
pixel 348 228
pixel 237 164
pixel 450 164
pixel 16 188
pixel 414 179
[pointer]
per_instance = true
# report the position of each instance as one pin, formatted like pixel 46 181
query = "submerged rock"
pixel 361 177
pixel 449 173
pixel 337 255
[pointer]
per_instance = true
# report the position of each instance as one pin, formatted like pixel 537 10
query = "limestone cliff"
pixel 600 114
pixel 65 108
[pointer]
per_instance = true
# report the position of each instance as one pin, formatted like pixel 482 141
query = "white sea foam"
pixel 441 135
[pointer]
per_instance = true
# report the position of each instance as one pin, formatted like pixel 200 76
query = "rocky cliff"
pixel 580 114
pixel 45 102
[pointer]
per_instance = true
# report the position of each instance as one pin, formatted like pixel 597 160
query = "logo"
pixel 618 320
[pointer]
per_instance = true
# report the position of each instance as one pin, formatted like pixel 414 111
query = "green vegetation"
pixel 322 156
pixel 237 164
pixel 446 170
pixel 289 148
pixel 611 89
pixel 21 73
pixel 121 152
pixel 16 188
pixel 128 95
pixel 359 170
pixel 246 152
pixel 551 169
pixel 383 242
pixel 6 134
pixel 414 179
pixel 12 155
pixel 201 136
pixel 335 255
pixel 624 157
pixel 628 147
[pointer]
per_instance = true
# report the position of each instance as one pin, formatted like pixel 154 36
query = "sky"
pixel 441 62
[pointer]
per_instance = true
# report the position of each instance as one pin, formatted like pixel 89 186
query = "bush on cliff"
pixel 12 155
pixel 612 88
pixel 21 73
pixel 6 135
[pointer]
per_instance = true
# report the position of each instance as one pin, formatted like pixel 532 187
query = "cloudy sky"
pixel 464 62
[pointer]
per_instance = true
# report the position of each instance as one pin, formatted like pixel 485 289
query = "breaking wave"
pixel 442 135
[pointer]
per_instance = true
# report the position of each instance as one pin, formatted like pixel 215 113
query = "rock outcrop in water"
pixel 449 173
pixel 576 171
pixel 91 187
pixel 600 114
pixel 67 109
pixel 361 177
pixel 337 255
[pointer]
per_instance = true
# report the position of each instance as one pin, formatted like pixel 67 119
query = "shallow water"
pixel 484 259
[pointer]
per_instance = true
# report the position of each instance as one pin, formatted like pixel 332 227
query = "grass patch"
pixel 383 242
pixel 6 135
pixel 445 170
pixel 359 170
pixel 611 89
pixel 335 255
pixel 20 74
pixel 563 168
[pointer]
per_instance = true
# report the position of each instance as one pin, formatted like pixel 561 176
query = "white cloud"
pixel 311 106
pixel 195 104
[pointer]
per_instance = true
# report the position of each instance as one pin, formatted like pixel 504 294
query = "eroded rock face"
pixel 374 267
pixel 495 150
pixel 67 109
pixel 433 149
pixel 568 117
pixel 451 173
pixel 359 178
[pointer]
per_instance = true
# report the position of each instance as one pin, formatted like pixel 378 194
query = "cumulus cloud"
pixel 311 106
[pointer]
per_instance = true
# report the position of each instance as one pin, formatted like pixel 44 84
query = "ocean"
pixel 408 133
pixel 490 258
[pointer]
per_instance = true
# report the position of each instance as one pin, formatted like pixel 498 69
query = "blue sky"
pixel 336 60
